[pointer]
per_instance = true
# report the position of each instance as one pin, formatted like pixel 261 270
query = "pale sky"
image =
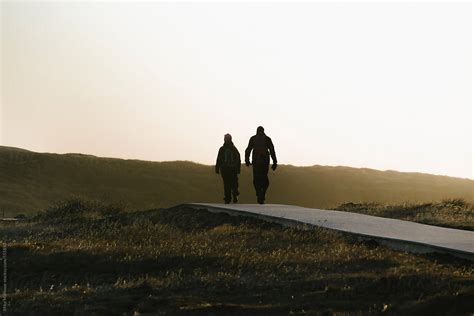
pixel 383 86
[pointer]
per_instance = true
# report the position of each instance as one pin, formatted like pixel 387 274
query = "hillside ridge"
pixel 30 182
pixel 4 149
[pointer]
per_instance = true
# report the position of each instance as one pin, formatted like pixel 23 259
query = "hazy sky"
pixel 384 86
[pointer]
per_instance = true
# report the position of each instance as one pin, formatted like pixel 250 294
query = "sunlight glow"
pixel 384 86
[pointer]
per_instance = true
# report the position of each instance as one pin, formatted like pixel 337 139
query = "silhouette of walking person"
pixel 262 148
pixel 228 164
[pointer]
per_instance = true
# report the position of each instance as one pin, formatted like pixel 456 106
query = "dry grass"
pixel 86 258
pixel 453 213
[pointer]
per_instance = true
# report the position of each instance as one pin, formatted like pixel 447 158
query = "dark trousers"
pixel 231 184
pixel 260 180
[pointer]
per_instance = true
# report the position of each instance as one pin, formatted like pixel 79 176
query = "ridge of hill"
pixel 31 181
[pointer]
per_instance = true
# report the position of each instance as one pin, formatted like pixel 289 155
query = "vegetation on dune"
pixel 452 213
pixel 32 181
pixel 86 257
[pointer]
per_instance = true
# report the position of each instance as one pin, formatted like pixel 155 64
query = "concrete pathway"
pixel 399 234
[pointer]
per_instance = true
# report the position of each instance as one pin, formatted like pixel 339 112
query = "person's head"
pixel 260 130
pixel 227 138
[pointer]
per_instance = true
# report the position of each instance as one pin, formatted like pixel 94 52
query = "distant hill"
pixel 31 181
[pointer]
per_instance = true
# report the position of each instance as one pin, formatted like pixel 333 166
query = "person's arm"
pixel 238 157
pixel 218 160
pixel 272 153
pixel 272 150
pixel 247 151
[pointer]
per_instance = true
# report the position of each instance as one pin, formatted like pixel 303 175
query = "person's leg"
pixel 260 193
pixel 258 179
pixel 235 187
pixel 257 182
pixel 227 187
pixel 265 184
pixel 262 182
pixel 265 181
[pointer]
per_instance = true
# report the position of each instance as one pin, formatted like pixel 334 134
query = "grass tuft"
pixel 77 208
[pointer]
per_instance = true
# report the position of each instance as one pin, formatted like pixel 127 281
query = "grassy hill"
pixel 31 181
pixel 84 258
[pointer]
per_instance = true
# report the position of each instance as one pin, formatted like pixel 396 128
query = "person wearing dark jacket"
pixel 262 148
pixel 228 165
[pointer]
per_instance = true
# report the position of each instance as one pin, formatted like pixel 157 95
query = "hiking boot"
pixel 261 201
pixel 235 199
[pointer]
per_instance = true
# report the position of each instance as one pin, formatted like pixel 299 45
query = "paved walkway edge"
pixel 398 244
